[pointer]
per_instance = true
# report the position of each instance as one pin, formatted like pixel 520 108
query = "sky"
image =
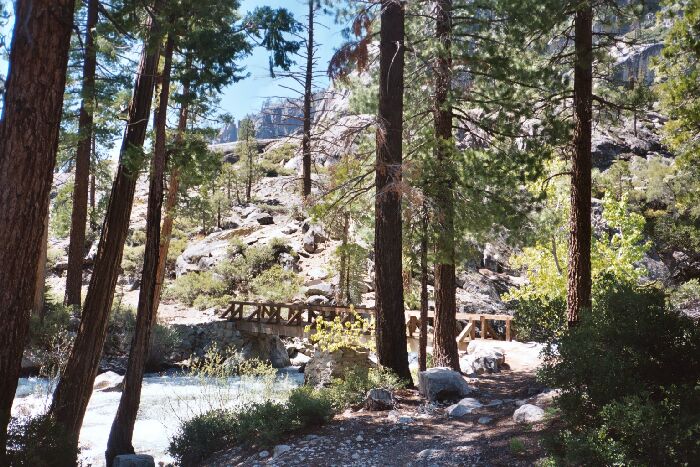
pixel 246 96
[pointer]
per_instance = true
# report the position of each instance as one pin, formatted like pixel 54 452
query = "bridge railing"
pixel 290 319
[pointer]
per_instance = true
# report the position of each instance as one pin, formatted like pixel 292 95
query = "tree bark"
pixel 29 128
pixel 121 434
pixel 171 200
pixel 444 341
pixel 81 184
pixel 308 81
pixel 75 386
pixel 579 272
pixel 423 338
pixel 390 326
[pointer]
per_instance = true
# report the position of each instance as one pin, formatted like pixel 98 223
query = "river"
pixel 166 401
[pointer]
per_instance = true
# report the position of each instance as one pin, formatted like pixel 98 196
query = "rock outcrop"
pixel 324 366
pixel 440 383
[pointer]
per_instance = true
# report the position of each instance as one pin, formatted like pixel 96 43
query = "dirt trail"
pixel 420 434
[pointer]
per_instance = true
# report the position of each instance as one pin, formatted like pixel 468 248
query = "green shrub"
pixel 263 423
pixel 190 287
pixel 540 320
pixel 352 388
pixel 132 259
pixel 55 321
pixel 246 263
pixel 630 380
pixel 686 296
pixel 309 407
pixel 39 441
pixel 203 435
pixel 260 424
pixel 276 284
pixel 178 243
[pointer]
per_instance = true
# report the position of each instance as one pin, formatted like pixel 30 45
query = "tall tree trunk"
pixel 75 386
pixel 29 128
pixel 423 338
pixel 579 273
pixel 391 326
pixel 444 343
pixel 76 249
pixel 121 434
pixel 308 81
pixel 171 200
pixel 249 184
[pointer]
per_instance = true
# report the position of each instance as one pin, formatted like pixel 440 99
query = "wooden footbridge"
pixel 290 319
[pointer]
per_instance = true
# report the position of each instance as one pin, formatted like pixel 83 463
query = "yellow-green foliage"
pixel 616 254
pixel 332 335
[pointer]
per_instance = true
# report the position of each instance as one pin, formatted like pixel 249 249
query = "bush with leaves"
pixel 245 263
pixel 540 311
pixel 256 424
pixel 630 380
pixel 276 284
pixel 335 334
pixel 199 289
pixel 39 441
pixel 352 388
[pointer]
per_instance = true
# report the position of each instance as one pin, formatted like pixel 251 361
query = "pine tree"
pixel 29 128
pixel 120 436
pixel 308 95
pixel 390 327
pixel 444 343
pixel 579 271
pixel 76 252
pixel 75 385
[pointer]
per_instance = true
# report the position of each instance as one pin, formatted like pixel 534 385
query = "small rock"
pixel 463 407
pixel 359 438
pixel 264 454
pixel 396 417
pixel 528 413
pixel 485 420
pixel 280 449
pixel 356 457
pixel 134 460
pixel 429 454
pixel 379 399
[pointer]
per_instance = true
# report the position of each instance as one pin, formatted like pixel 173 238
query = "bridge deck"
pixel 290 319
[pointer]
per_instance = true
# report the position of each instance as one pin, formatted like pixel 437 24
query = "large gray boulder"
pixel 324 289
pixel 134 460
pixel 481 358
pixel 442 383
pixel 108 381
pixel 528 413
pixel 268 348
pixel 324 366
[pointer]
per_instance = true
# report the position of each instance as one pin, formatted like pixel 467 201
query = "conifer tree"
pixel 390 327
pixel 29 128
pixel 75 385
pixel 76 251
pixel 444 344
pixel 579 271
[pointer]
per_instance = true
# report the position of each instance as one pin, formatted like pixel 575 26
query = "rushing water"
pixel 166 401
